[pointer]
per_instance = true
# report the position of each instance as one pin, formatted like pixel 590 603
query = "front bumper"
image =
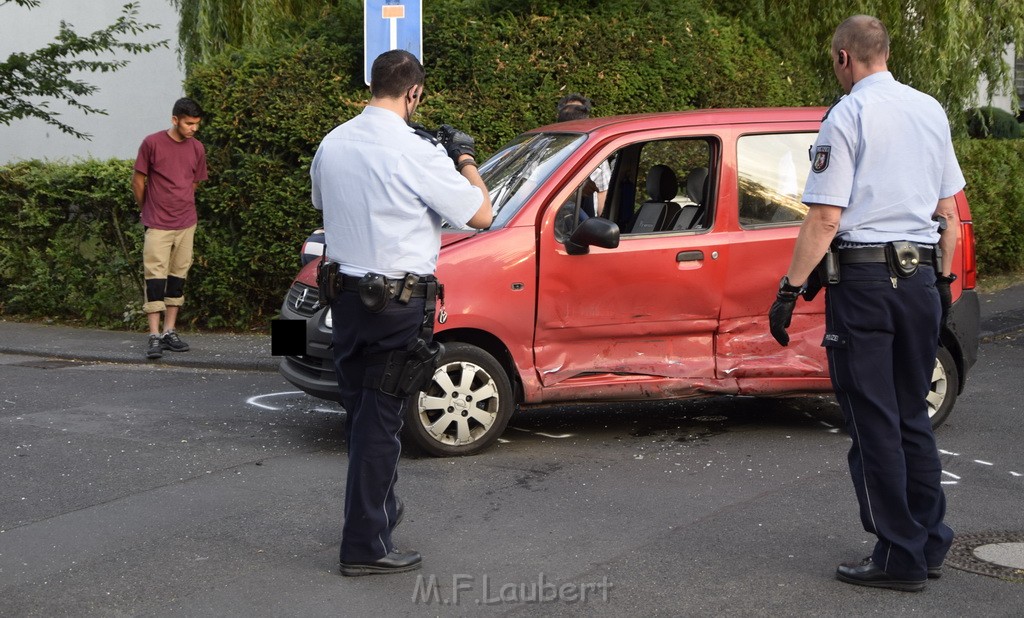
pixel 313 372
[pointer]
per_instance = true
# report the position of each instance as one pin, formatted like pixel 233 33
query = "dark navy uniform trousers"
pixel 881 343
pixel 373 419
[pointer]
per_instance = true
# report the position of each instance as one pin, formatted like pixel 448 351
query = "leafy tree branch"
pixel 30 81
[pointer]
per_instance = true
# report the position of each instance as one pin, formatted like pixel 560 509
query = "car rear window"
pixel 772 171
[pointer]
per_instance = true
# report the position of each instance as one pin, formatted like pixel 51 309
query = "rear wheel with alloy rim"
pixel 465 407
pixel 944 387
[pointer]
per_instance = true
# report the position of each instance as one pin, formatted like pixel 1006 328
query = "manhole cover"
pixel 996 554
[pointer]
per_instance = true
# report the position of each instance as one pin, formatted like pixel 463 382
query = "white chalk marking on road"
pixel 1016 473
pixel 328 410
pixel 541 433
pixel 949 453
pixel 254 401
pixel 984 463
pixel 949 482
pixel 951 475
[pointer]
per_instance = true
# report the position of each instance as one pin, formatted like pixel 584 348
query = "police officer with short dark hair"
pixel 384 190
pixel 883 179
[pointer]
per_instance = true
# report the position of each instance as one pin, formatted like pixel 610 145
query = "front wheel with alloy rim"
pixel 465 407
pixel 944 387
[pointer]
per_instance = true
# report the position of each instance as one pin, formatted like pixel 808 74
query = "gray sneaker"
pixel 155 349
pixel 171 341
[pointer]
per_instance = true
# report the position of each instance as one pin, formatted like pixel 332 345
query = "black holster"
pixel 409 371
pixel 328 281
pixel 406 372
pixel 828 268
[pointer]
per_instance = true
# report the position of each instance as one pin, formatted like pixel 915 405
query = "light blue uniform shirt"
pixel 885 156
pixel 384 191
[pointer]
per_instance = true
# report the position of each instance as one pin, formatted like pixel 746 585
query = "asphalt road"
pixel 156 490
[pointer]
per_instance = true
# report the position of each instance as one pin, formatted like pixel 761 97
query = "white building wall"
pixel 1002 97
pixel 138 98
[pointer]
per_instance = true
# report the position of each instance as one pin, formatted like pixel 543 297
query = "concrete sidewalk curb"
pixel 1002 313
pixel 248 352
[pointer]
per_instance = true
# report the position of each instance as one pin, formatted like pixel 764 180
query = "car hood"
pixel 450 238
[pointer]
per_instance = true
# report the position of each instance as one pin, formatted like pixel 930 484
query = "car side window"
pixel 659 186
pixel 772 171
pixel 672 188
pixel 588 200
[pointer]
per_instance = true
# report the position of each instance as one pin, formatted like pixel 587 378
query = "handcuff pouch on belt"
pixel 902 257
pixel 376 290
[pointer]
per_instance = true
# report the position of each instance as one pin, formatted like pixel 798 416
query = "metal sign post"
pixel 391 24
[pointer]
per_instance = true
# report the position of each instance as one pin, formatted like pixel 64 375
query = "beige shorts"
pixel 166 258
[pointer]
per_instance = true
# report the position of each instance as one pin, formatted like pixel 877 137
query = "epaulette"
pixel 834 103
pixel 425 133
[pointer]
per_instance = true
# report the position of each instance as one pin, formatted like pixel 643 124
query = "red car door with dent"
pixel 637 320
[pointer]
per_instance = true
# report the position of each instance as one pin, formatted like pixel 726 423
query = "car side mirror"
pixel 594 231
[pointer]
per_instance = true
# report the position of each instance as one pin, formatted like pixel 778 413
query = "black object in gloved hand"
pixel 781 314
pixel 945 294
pixel 456 143
pixel 813 286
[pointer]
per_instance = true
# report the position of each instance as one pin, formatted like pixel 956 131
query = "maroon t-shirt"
pixel 171 168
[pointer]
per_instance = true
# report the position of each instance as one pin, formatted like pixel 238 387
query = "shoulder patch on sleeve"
pixel 821 157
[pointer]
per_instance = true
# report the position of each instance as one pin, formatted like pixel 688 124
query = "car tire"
pixel 945 385
pixel 465 407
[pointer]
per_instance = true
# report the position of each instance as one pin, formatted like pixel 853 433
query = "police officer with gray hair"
pixel 881 193
pixel 384 189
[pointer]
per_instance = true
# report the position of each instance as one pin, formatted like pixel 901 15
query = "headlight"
pixel 328 321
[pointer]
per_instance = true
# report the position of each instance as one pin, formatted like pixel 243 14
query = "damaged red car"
pixel 657 288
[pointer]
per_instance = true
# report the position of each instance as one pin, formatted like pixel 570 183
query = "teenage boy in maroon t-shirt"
pixel 169 167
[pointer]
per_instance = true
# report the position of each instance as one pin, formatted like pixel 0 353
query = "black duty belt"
pixel 871 255
pixel 419 290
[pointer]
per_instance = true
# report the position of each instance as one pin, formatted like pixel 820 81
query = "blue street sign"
pixel 391 24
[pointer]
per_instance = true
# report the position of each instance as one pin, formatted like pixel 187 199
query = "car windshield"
pixel 513 173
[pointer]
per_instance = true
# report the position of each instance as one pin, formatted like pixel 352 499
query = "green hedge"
pixel 493 77
pixel 70 242
pixel 994 170
pixel 993 122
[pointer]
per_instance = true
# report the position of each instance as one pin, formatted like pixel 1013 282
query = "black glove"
pixel 455 142
pixel 945 295
pixel 781 313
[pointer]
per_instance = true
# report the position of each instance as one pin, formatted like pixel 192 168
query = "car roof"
pixel 691 118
